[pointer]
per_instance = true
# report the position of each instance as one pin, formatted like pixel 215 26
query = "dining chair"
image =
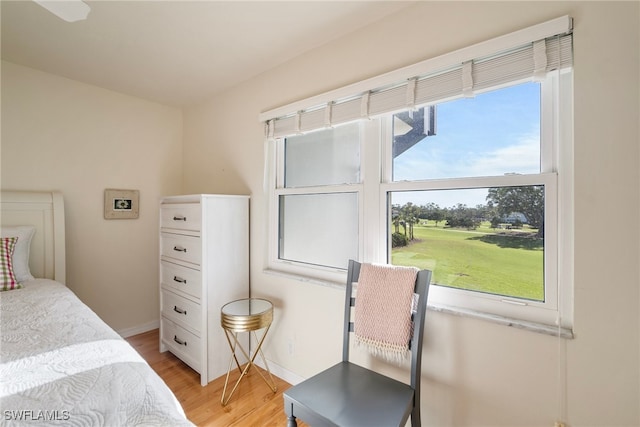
pixel 350 395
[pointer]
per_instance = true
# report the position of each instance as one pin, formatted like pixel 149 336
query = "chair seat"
pixel 350 395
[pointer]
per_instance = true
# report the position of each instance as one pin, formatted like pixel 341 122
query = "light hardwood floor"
pixel 252 404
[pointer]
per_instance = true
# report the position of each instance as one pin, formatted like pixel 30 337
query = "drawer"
pixel 182 343
pixel 181 279
pixel 181 310
pixel 179 247
pixel 183 216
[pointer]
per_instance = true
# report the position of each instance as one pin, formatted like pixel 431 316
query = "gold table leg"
pixel 235 345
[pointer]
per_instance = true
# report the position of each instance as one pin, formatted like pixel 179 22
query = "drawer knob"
pixel 179 218
pixel 179 310
pixel 175 338
pixel 179 280
pixel 180 249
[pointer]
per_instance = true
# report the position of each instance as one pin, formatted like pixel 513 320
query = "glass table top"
pixel 247 307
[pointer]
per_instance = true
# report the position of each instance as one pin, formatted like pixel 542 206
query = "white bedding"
pixel 60 364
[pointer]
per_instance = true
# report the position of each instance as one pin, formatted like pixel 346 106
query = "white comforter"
pixel 60 364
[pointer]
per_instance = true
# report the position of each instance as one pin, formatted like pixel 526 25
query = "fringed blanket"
pixel 383 309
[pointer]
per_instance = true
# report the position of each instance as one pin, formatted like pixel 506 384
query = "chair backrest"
pixel 423 280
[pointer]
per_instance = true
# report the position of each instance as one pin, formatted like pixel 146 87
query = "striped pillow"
pixel 9 282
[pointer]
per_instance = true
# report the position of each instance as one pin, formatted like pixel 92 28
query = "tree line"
pixel 502 204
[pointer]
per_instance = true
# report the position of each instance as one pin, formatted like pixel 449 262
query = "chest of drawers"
pixel 204 263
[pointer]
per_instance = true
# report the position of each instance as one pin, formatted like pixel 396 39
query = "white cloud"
pixel 522 157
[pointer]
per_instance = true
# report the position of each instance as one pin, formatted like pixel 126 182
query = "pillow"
pixel 24 233
pixel 9 282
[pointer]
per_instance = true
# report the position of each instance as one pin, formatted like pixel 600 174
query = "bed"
pixel 60 364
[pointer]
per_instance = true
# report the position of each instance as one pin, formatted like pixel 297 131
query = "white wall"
pixel 64 135
pixel 58 134
pixel 474 373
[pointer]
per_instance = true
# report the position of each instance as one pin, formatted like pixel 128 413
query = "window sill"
pixel 562 332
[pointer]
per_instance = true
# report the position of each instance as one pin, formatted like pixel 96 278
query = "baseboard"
pixel 128 332
pixel 280 372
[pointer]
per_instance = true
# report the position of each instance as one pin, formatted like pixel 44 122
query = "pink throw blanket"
pixel 383 309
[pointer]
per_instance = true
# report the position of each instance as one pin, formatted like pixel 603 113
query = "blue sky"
pixel 491 134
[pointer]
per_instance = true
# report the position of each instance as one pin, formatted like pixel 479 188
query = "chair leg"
pixel 415 416
pixel 291 421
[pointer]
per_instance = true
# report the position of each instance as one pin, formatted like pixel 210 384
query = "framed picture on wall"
pixel 121 204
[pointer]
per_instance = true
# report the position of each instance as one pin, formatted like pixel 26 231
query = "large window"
pixel 317 191
pixel 474 185
pixel 471 201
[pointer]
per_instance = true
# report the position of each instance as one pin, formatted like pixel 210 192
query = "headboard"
pixel 45 211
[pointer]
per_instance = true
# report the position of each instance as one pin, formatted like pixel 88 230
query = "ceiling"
pixel 177 52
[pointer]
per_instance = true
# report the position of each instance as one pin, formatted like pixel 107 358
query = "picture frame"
pixel 121 204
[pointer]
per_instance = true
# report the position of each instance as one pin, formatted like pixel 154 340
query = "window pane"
pixel 326 157
pixel 319 229
pixel 488 240
pixel 492 134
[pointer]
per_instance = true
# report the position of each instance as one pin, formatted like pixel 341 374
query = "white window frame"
pixel 376 183
pixel 555 314
pixel 556 260
pixel 276 180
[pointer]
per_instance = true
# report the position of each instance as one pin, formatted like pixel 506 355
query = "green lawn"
pixel 480 260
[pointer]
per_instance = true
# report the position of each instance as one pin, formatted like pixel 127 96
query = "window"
pixel 312 217
pixel 318 188
pixel 471 179
pixel 477 201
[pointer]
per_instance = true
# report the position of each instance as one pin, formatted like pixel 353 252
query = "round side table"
pixel 246 315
